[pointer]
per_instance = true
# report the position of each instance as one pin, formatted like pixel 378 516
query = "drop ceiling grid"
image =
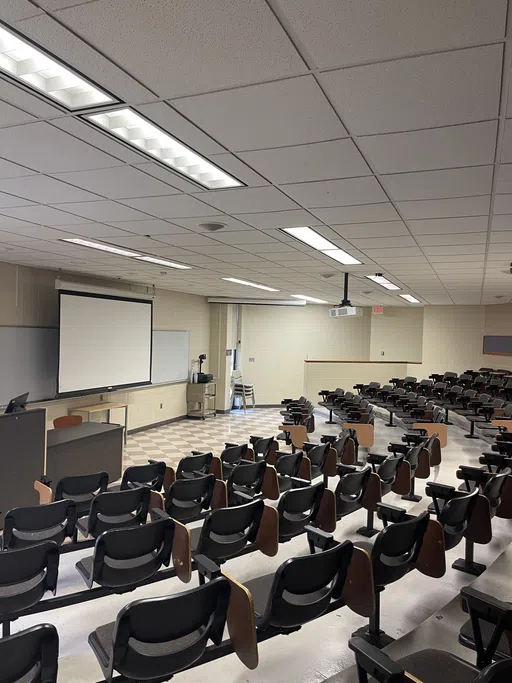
pixel 468 176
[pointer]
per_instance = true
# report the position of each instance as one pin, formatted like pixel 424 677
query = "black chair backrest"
pixel 118 509
pixel 233 454
pixel 288 464
pixel 499 672
pixel 494 487
pixel 318 456
pixel 410 380
pixel 340 443
pixel 304 586
pixel 247 477
pixel 171 644
pixel 150 475
pixel 194 466
pixel 30 525
pixel 261 448
pixel 297 508
pixel 227 531
pixel 350 490
pixel 455 516
pixel 33 653
pixel 412 456
pixel 387 472
pixel 396 549
pixel 125 557
pixel 187 498
pixel 25 576
pixel 82 490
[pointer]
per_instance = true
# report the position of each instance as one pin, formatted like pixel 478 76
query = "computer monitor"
pixel 17 404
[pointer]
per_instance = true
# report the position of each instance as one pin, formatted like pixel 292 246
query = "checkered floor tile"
pixel 173 441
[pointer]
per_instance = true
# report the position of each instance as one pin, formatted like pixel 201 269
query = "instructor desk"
pixel 83 449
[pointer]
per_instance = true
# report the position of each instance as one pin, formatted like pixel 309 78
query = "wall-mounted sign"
pixel 379 310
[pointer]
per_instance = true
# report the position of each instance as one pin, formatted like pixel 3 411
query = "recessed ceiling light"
pixel 310 237
pixel 410 299
pixel 30 65
pixel 162 262
pixel 141 133
pixel 382 281
pixel 309 298
pixel 342 257
pixel 249 284
pixel 101 247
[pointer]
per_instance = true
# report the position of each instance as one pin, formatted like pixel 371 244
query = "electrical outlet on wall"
pixel 382 353
pixel 252 360
pixel 161 406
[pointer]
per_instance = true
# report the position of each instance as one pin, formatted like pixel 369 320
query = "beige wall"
pixel 498 321
pixel 28 298
pixel 398 332
pixel 281 338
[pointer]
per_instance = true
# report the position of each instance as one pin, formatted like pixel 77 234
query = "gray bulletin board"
pixel 171 351
pixel 498 345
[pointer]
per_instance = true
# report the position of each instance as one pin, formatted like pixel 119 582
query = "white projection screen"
pixel 105 342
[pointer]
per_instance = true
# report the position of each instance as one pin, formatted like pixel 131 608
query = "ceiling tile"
pixel 445 208
pixel 435 226
pixel 136 242
pixel 503 222
pixel 456 182
pixel 454 251
pixel 235 167
pixel 450 147
pixel 45 148
pixel 278 219
pixel 360 230
pixel 45 190
pixel 350 191
pixel 15 10
pixel 394 252
pixel 506 150
pixel 149 227
pixel 25 100
pixel 10 170
pixel 454 238
pixel 383 242
pixel 368 213
pixel 43 215
pixel 288 112
pixel 249 200
pixel 318 161
pixel 198 224
pixel 244 237
pixel 98 230
pixel 240 42
pixel 38 233
pixel 103 211
pixel 118 183
pixel 463 86
pixel 7 200
pixel 335 35
pixel 10 115
pixel 504 180
pixel 503 203
pixel 503 237
pixel 188 240
pixel 164 174
pixel 174 206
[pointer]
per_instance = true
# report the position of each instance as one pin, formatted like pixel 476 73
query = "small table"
pixel 105 407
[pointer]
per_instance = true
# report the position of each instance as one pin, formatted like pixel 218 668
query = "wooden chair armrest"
pixel 358 591
pixel 216 467
pixel 45 492
pixel 270 488
pixel 432 558
pixel 242 624
pixel 373 493
pixel 267 539
pixel 220 495
pixel 326 517
pixel 169 478
pixel 182 552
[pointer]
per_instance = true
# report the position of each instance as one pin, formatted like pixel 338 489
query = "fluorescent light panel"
pixel 101 247
pixel 313 239
pixel 309 298
pixel 382 281
pixel 410 298
pixel 141 133
pixel 249 284
pixel 35 68
pixel 162 262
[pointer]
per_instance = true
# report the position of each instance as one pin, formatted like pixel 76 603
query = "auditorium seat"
pixel 309 505
pixel 151 475
pixel 245 482
pixel 29 525
pixel 195 465
pixel 187 499
pixel 350 489
pixel 115 510
pixel 387 469
pixel 30 656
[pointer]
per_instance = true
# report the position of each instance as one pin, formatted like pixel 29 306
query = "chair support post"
pixel 467 563
pixel 369 530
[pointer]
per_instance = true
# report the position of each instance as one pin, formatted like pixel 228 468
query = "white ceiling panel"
pixel 149 227
pixel 318 161
pixel 503 222
pixel 383 242
pixel 445 208
pixel 240 42
pixel 327 193
pixel 454 251
pixel 364 30
pixel 10 170
pixel 504 180
pixel 463 86
pixel 198 224
pixel 289 112
pixel 368 213
pixel 45 190
pixel 453 238
pixel 45 148
pixel 10 115
pixel 249 200
pixel 506 150
pixel 394 252
pixel 43 215
pixel 174 206
pixel 103 211
pixel 235 167
pixel 167 176
pixel 436 226
pixel 40 232
pixel 360 230
pixel 245 237
pixel 118 183
pixel 7 200
pixel 136 242
pixel 95 230
pixel 501 237
pixel 449 147
pixel 188 240
pixel 456 182
pixel 24 100
pixel 472 257
pixel 14 10
pixel 270 220
pixel 503 203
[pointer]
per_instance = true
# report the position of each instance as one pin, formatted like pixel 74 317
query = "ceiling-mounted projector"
pixel 345 308
pixel 345 312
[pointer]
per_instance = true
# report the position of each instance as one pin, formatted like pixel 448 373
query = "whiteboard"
pixel 171 356
pixel 28 362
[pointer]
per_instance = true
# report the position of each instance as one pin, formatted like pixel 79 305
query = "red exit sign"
pixel 378 309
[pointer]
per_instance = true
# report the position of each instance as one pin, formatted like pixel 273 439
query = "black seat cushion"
pixel 259 588
pixel 433 666
pixel 85 566
pixel 467 638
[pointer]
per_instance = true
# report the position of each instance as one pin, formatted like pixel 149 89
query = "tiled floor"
pixel 319 649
